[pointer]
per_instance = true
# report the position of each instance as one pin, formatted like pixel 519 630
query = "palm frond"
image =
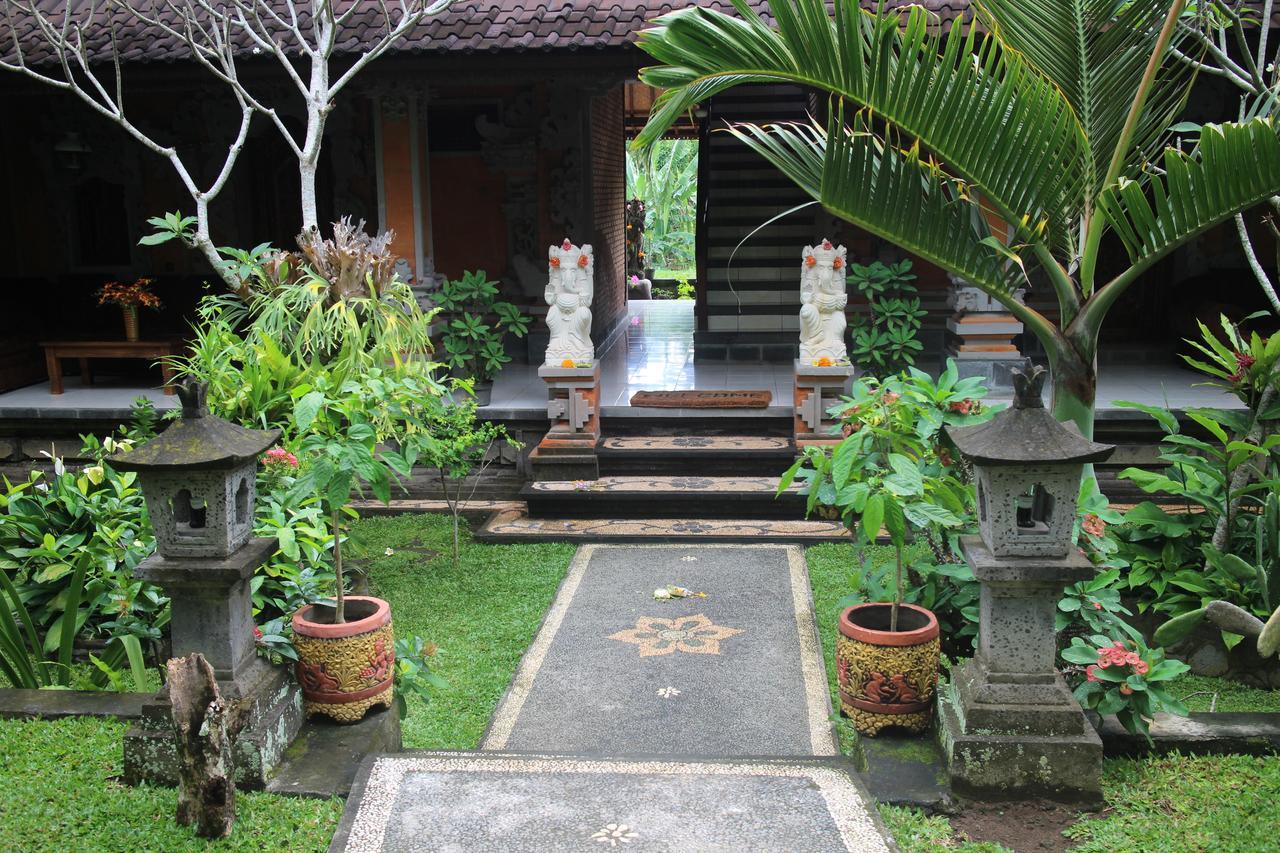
pixel 1095 52
pixel 1234 167
pixel 887 191
pixel 987 119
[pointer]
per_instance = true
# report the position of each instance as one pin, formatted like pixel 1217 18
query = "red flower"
pixel 1126 690
pixel 555 262
pixel 1093 525
pixel 582 260
pixel 257 632
pixel 566 245
pixel 837 263
pixel 964 407
pixel 810 260
pixel 1141 667
pixel 1097 605
pixel 1089 672
pixel 1244 360
pixel 826 244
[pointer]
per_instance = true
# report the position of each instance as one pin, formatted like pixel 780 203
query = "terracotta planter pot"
pixel 887 678
pixel 345 669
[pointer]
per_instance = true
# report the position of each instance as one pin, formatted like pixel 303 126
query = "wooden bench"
pixel 85 350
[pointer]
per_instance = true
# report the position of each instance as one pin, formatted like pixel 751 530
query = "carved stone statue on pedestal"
pixel 822 292
pixel 569 290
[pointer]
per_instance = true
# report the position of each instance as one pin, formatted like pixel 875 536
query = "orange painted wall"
pixel 397 182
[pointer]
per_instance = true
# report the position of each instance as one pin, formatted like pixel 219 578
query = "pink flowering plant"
pixel 277 463
pixel 1125 678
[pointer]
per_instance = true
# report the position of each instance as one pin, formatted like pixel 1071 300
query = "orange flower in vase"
pixel 130 297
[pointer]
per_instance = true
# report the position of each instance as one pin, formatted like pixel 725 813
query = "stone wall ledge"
pixel 18 704
pixel 1201 733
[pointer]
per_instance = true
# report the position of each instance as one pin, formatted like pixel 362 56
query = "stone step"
pixel 695 454
pixel 664 496
pixel 514 526
pixel 529 801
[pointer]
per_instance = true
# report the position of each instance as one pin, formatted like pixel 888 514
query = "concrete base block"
pixel 323 760
pixel 275 716
pixel 995 370
pixel 1016 762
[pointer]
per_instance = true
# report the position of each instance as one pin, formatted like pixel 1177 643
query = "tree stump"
pixel 205 727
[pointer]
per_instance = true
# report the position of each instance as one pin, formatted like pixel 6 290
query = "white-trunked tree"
pixel 75 46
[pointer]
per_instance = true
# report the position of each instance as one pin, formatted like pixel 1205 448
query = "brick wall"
pixel 608 197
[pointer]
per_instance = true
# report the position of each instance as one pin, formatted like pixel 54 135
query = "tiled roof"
pixel 468 26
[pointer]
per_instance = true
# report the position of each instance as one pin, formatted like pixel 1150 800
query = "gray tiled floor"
pixel 657 355
pixel 107 397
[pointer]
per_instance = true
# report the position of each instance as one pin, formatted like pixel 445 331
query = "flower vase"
pixel 130 313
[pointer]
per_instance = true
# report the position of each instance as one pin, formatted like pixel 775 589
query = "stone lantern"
pixel 198 478
pixel 1007 721
pixel 1027 466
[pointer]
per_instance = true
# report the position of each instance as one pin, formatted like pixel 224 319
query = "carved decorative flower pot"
pixel 345 669
pixel 887 678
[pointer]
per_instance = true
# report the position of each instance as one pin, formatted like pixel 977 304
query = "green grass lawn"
pixel 482 615
pixel 58 792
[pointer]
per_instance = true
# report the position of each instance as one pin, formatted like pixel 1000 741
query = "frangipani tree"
pixel 994 150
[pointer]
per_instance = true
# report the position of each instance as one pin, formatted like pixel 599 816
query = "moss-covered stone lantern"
pixel 1027 467
pixel 1007 722
pixel 198 477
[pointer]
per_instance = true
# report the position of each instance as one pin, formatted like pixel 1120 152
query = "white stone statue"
pixel 569 291
pixel 822 292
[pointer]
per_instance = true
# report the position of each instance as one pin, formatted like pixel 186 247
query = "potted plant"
pixel 891 472
pixel 473 334
pixel 346 647
pixel 130 298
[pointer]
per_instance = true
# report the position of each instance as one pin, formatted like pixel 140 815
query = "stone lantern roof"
pixel 198 441
pixel 1025 433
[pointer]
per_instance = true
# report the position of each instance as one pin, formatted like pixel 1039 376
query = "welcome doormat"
pixel 702 399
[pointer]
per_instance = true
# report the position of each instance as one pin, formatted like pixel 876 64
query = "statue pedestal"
pixel 568 450
pixel 980 337
pixel 1007 722
pixel 213 614
pixel 816 390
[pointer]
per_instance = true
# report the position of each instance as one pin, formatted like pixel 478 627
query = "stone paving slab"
pixel 515 525
pixel 493 801
pixel 613 671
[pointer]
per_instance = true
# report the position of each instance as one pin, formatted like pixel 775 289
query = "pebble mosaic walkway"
pixel 644 723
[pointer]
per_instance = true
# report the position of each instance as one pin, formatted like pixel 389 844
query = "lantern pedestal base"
pixel 274 718
pixel 212 613
pixel 1007 723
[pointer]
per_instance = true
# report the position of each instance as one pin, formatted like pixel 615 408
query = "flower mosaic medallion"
pixel 614 834
pixel 694 634
pixel 668 692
